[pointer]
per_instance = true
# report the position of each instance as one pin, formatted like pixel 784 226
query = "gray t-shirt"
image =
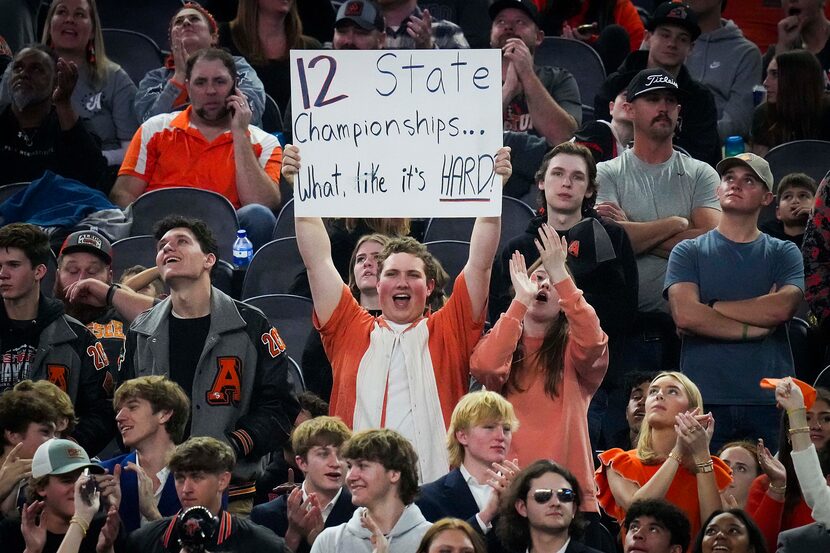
pixel 649 192
pixel 561 86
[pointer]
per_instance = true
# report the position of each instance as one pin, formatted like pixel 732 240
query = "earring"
pixel 90 52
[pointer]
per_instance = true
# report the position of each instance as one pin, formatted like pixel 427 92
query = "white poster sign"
pixel 397 133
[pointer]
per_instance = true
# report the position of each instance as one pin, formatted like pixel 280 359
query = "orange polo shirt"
pixel 166 151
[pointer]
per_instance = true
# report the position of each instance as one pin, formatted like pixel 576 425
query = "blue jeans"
pixel 259 223
pixel 745 422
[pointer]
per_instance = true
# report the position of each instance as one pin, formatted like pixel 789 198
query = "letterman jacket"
pixel 70 357
pixel 241 394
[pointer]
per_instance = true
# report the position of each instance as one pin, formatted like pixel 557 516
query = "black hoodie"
pixel 611 287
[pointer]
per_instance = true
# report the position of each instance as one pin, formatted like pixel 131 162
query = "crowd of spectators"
pixel 622 376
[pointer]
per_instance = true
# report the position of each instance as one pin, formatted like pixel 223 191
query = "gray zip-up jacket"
pixel 241 394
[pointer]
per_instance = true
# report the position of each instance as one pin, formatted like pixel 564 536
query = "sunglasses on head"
pixel 564 495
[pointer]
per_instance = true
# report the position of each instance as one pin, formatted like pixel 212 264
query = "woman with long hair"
pixel 264 32
pixel 806 460
pixel 776 500
pixel 731 530
pixel 104 92
pixel 796 108
pixel 548 355
pixel 672 459
pixel 742 457
pixel 192 28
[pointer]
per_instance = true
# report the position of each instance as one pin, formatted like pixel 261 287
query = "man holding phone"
pixel 51 512
pixel 210 145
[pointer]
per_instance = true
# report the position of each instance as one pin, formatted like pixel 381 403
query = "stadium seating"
pixel 273 268
pixel 208 206
pixel 453 256
pixel 290 315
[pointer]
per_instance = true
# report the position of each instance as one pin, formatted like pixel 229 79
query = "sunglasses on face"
pixel 564 495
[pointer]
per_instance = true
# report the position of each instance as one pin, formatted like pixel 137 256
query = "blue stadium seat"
pixel 273 268
pixel 135 52
pixel 150 17
pixel 212 208
pixel 9 190
pixel 290 315
pixel 577 57
pixel 515 216
pixel 453 256
pixel 803 156
pixel 47 285
pixel 131 251
pixel 272 121
pixel 285 221
pixel 295 376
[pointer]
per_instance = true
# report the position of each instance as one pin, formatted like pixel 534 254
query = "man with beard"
pixel 641 189
pixel 660 197
pixel 210 145
pixel 85 276
pixel 541 100
pixel 39 130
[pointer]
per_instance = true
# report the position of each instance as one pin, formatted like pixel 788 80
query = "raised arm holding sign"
pixel 405 369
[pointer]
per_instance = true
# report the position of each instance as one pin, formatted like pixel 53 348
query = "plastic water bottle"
pixel 243 250
pixel 759 94
pixel 734 146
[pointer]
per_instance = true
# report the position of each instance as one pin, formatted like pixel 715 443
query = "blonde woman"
pixel 104 92
pixel 672 460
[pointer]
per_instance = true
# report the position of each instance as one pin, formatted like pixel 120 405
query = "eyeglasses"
pixel 564 495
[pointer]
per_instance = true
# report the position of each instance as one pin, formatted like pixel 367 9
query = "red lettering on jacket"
pixel 227 386
pixel 275 344
pixel 57 375
pixel 99 356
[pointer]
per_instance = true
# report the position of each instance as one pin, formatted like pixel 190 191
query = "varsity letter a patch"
pixel 227 386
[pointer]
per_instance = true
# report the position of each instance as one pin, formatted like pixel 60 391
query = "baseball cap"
pixel 588 246
pixel 648 80
pixel 526 6
pixel 616 83
pixel 362 13
pixel 88 241
pixel 757 164
pixel 57 456
pixel 675 13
